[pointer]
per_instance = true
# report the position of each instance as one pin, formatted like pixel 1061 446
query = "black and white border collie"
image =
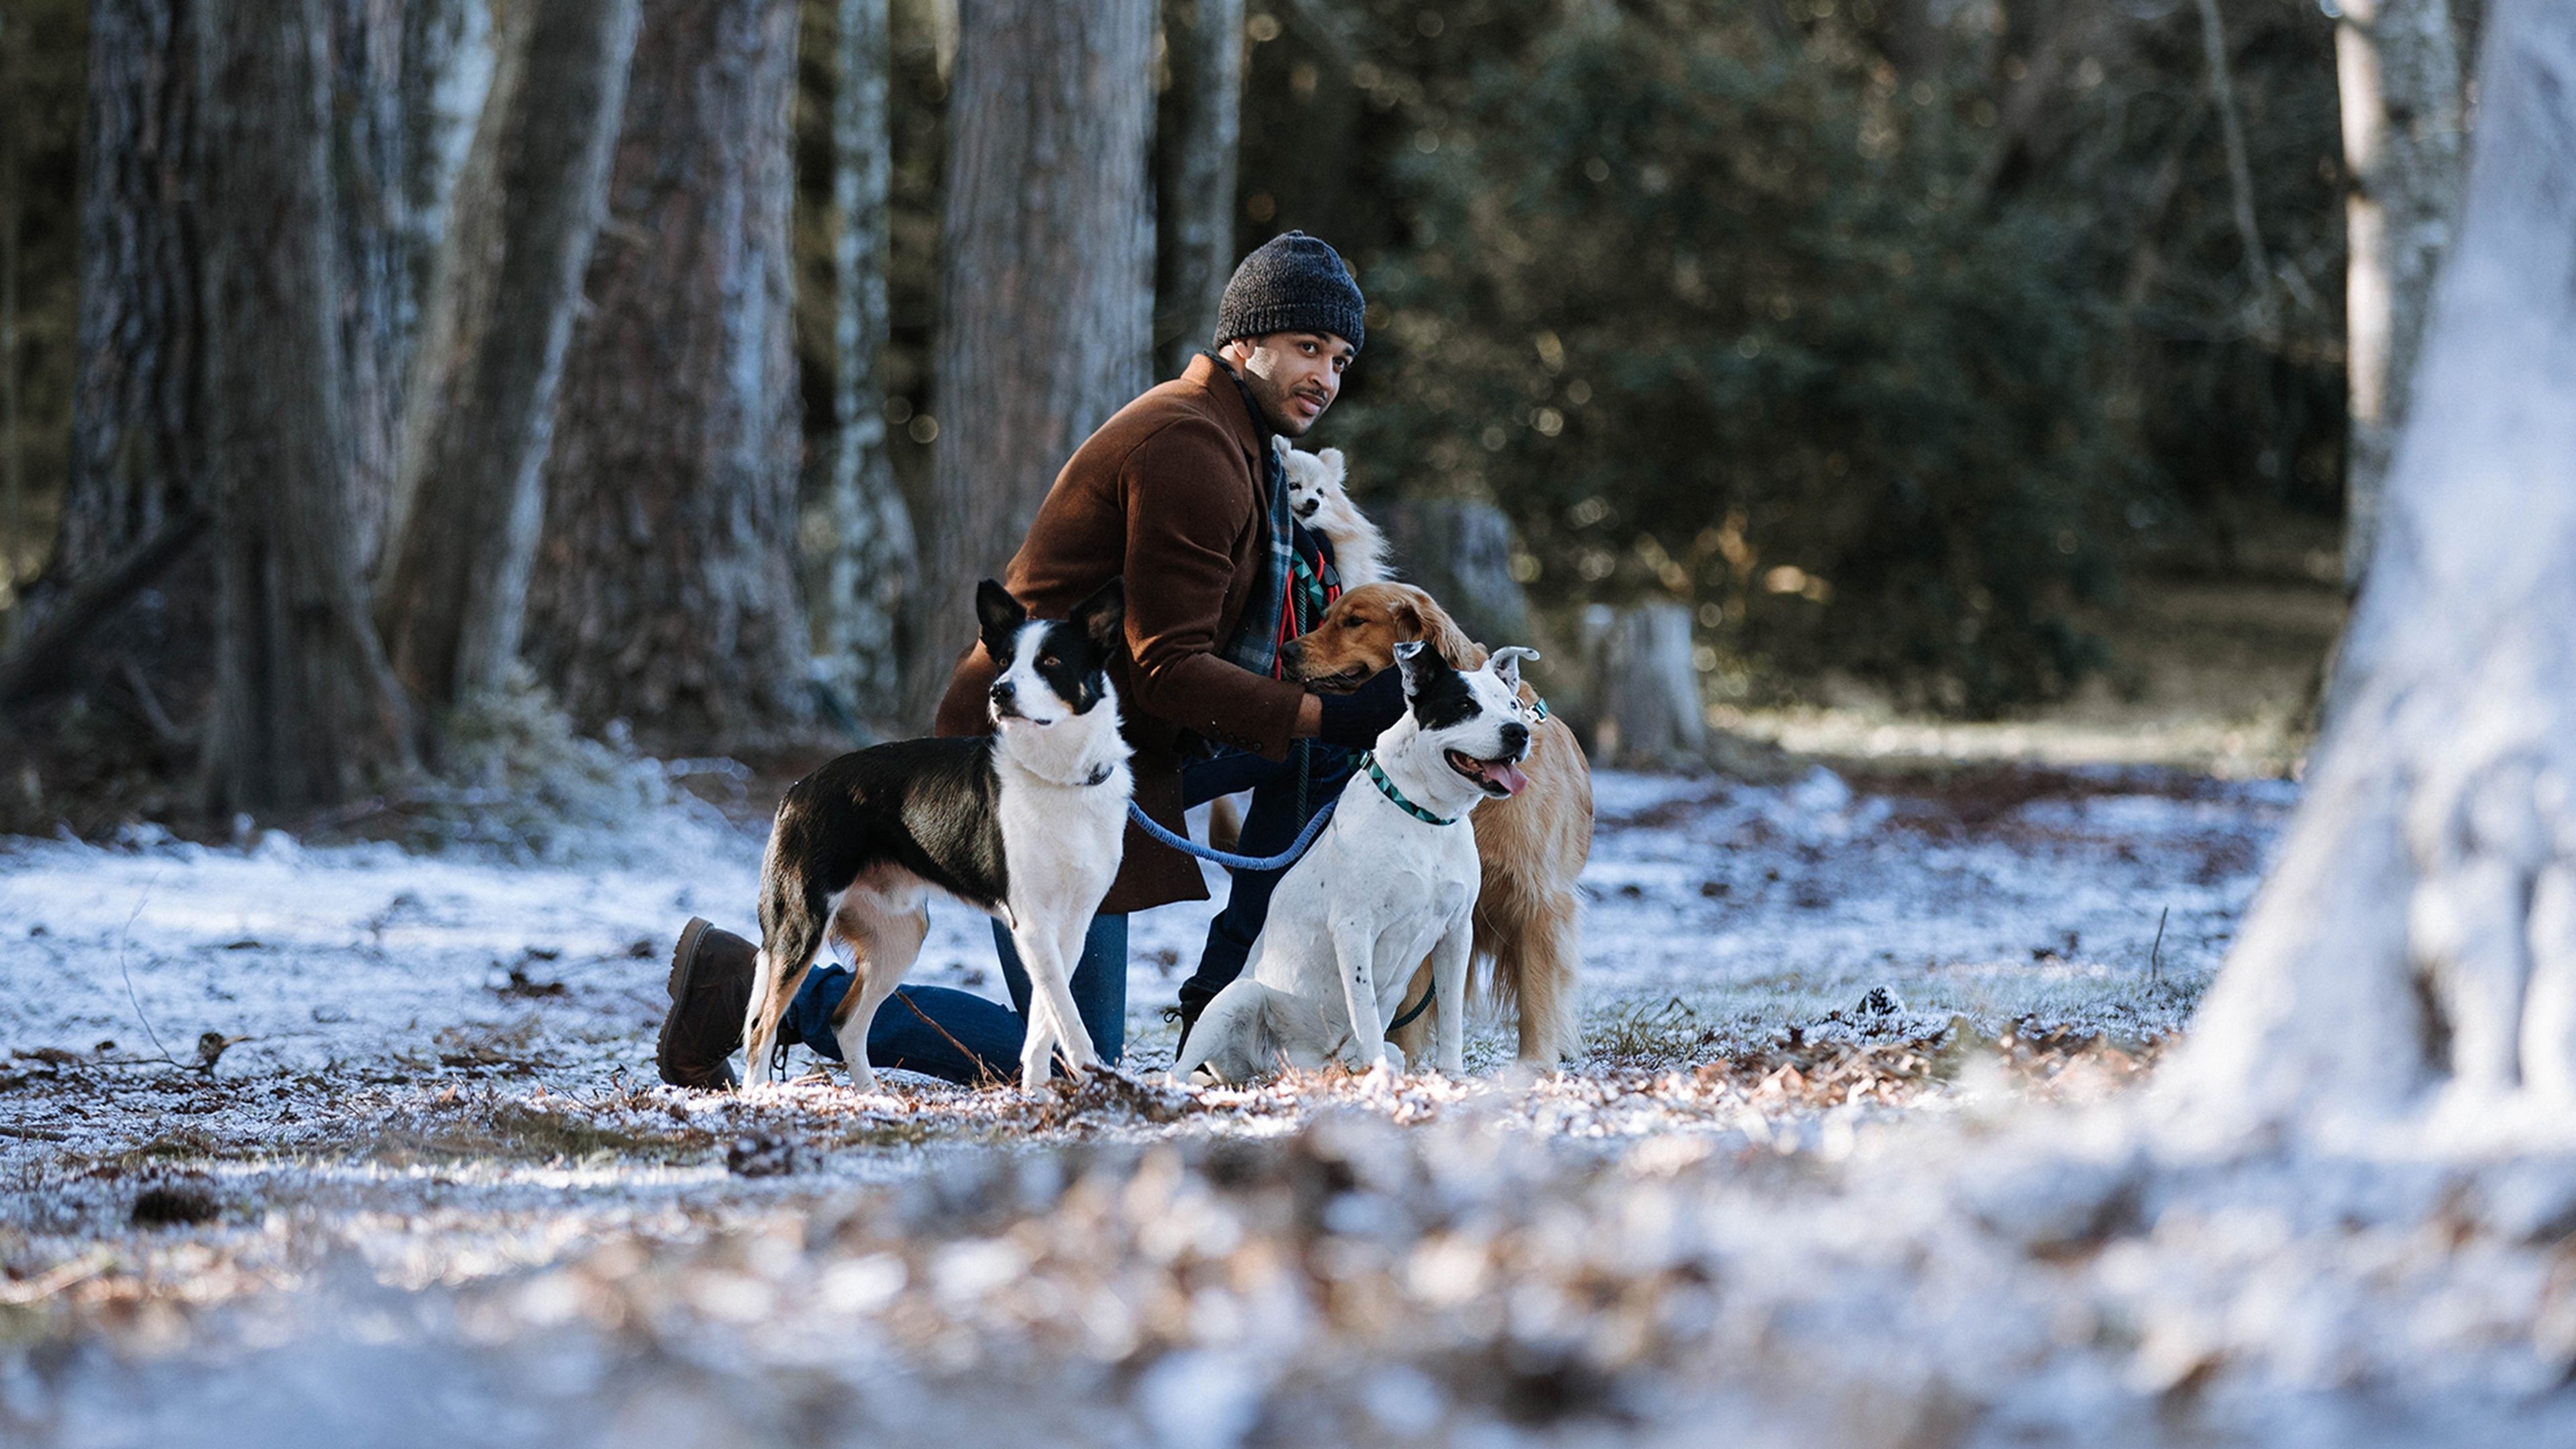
pixel 1025 824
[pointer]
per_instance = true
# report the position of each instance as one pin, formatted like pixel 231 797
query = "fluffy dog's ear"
pixel 1103 616
pixel 1333 471
pixel 1280 448
pixel 998 614
pixel 1506 664
pixel 1407 618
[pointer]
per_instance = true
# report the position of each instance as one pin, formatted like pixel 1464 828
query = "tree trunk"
pixel 448 59
pixel 2400 76
pixel 1460 551
pixel 305 710
pixel 469 493
pixel 2420 928
pixel 368 161
pixel 864 564
pixel 666 593
pixel 2240 171
pixel 1197 127
pixel 1646 707
pixel 1046 295
pixel 13 482
pixel 137 455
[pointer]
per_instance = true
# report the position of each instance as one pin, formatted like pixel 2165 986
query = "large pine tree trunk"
pixel 2399 71
pixel 865 564
pixel 305 710
pixel 2420 928
pixel 137 459
pixel 666 591
pixel 1197 129
pixel 1046 296
pixel 469 489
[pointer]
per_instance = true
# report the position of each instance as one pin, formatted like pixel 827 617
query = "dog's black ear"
pixel 1417 662
pixel 1103 616
pixel 999 614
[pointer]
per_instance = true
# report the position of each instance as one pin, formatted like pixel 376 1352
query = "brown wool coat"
pixel 1169 494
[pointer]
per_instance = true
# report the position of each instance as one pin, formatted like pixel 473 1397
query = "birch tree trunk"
pixel 1198 128
pixel 2420 928
pixel 2399 71
pixel 864 558
pixel 1046 288
pixel 666 592
pixel 137 456
pixel 469 490
pixel 305 710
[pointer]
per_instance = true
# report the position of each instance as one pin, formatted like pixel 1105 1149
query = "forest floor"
pixel 1862 1149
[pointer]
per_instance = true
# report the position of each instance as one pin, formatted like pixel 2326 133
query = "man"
pixel 1179 494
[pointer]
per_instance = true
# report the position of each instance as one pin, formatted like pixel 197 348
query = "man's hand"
pixel 1310 718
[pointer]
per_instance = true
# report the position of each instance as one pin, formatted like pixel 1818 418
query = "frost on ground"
pixel 1852 1158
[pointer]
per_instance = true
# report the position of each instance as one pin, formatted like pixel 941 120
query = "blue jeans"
pixel 968 1039
pixel 1270 826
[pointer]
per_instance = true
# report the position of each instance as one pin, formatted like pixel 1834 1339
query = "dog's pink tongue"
pixel 1507 775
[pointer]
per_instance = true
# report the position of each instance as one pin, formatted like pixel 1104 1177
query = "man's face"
pixel 1292 376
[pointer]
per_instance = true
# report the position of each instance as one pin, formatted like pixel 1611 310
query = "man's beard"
pixel 1275 410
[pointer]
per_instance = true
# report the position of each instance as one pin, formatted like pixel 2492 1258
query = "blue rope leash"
pixel 1227 859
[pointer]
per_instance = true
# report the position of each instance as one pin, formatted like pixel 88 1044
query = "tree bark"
pixel 1046 299
pixel 368 160
pixel 1460 551
pixel 469 491
pixel 137 455
pixel 666 593
pixel 865 559
pixel 1646 707
pixel 449 57
pixel 2420 928
pixel 2399 71
pixel 1198 127
pixel 305 710
pixel 2240 172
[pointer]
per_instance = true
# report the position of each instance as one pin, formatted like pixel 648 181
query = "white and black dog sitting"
pixel 1025 823
pixel 1392 878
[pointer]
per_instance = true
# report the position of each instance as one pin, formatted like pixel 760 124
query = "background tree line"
pixel 682 357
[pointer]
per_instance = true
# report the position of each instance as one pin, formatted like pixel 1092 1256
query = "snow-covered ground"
pixel 432 1194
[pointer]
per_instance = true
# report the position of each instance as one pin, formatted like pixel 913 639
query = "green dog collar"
pixel 1387 788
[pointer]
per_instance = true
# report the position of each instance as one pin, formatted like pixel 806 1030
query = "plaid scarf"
pixel 1255 645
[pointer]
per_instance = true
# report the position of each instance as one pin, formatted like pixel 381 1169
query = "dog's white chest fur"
pixel 1062 841
pixel 1400 883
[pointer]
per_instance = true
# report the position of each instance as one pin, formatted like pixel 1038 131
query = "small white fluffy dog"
pixel 1316 496
pixel 1393 878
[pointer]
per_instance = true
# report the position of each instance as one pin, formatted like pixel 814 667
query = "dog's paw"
pixel 1384 1076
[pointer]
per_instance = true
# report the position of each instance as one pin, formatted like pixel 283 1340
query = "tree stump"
pixel 1459 551
pixel 1646 708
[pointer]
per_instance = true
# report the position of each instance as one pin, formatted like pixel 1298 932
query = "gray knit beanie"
pixel 1291 283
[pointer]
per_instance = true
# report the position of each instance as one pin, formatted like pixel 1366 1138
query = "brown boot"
pixel 712 973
